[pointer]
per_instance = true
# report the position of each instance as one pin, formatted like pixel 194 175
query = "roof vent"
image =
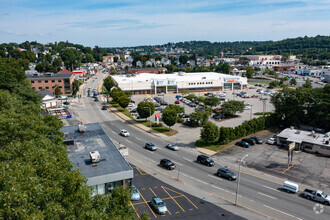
pixel 81 127
pixel 327 134
pixel 95 156
pixel 291 127
pixel 313 133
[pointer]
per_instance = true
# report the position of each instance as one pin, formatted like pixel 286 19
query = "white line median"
pixel 266 195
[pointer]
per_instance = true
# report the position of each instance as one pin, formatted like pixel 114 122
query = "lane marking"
pixel 177 163
pixel 270 188
pixel 266 195
pixel 135 210
pixel 173 199
pixel 129 141
pixel 282 212
pixel 138 139
pixel 215 177
pixel 186 159
pixel 147 204
pixel 150 152
pixel 194 179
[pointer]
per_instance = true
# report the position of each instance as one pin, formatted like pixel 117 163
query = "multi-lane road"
pixel 258 192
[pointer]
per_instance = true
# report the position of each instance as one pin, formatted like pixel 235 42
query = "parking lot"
pixel 179 204
pixel 305 168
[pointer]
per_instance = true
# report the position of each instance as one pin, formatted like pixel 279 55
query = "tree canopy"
pixel 232 107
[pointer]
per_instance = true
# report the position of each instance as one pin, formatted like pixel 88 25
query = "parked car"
pixel 251 87
pixel 166 163
pixel 158 205
pixel 104 107
pixel 247 107
pixel 317 195
pixel 245 97
pixel 290 186
pixel 150 146
pixel 202 159
pixel 227 173
pixel 251 140
pixel 258 140
pixel 135 194
pixel 124 133
pixel 157 99
pixel 243 144
pixel 218 116
pixel 254 96
pixel 177 102
pixel 161 109
pixel 172 147
pixel 179 97
pixel 162 102
pixel 161 94
pixel 271 141
pixel 183 115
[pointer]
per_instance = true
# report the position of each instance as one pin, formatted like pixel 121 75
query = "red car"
pixel 177 102
pixel 246 97
pixel 255 96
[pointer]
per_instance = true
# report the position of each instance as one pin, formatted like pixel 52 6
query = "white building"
pixel 149 83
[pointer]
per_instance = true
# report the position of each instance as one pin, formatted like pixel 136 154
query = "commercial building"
pixel 49 81
pixel 147 83
pixel 93 153
pixel 309 141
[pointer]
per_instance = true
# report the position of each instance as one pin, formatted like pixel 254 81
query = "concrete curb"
pixel 206 151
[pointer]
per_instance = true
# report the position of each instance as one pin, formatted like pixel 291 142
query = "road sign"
pixel 157 115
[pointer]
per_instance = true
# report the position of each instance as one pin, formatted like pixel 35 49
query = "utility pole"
pixel 239 172
pixel 149 116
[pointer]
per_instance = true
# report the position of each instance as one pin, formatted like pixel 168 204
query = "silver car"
pixel 124 133
pixel 173 147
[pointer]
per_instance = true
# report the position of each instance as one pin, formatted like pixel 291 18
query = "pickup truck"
pixel 317 195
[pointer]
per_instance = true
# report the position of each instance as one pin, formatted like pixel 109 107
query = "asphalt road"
pixel 259 192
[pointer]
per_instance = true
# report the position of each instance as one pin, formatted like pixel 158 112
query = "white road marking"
pixel 195 179
pixel 215 177
pixel 150 151
pixel 186 159
pixel 129 142
pixel 266 195
pixel 138 139
pixel 177 163
pixel 269 188
pixel 282 212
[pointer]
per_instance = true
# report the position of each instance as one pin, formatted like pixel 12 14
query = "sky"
pixel 119 23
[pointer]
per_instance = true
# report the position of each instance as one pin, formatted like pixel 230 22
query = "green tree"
pixel 108 83
pixel 177 108
pixel 57 91
pixel 249 72
pixel 75 87
pixel 171 68
pixel 169 117
pixel 273 83
pixel 144 109
pixel 210 132
pixel 307 84
pixel 70 58
pixel 232 107
pixel 123 101
pixel 211 101
pixel 116 93
pixel 185 92
pixel 89 58
pixel 119 204
pixel 57 63
pixel 183 59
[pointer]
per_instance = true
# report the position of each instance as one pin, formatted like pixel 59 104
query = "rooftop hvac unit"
pixel 95 156
pixel 81 128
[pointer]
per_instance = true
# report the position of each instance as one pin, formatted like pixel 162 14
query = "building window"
pixel 40 88
pixel 46 81
pixel 47 87
pixel 39 81
pixel 59 80
pixel 32 81
pixel 53 80
pixel 60 87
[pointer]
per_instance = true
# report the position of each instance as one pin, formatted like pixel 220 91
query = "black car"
pixel 205 160
pixel 258 140
pixel 162 102
pixel 104 107
pixel 157 99
pixel 251 140
pixel 218 116
pixel 166 163
pixel 183 115
pixel 227 173
pixel 243 144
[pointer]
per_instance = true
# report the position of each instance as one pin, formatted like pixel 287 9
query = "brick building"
pixel 49 81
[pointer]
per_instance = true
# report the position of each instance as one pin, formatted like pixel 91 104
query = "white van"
pixel 290 187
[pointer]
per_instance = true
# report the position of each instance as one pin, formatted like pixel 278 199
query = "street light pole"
pixel 239 172
pixel 150 116
pixel 251 112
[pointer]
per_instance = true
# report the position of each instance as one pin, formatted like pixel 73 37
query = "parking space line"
pixel 181 194
pixel 139 203
pixel 157 196
pixel 173 199
pixel 147 204
pixel 135 210
pixel 288 168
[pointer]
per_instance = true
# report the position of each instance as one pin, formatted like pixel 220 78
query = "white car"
pixel 173 147
pixel 271 141
pixel 247 108
pixel 124 133
pixel 226 90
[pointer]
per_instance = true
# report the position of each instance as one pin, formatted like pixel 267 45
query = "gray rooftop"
pixel 49 75
pixel 112 166
pixel 300 136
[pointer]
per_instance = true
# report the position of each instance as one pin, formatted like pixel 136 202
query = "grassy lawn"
pixel 211 146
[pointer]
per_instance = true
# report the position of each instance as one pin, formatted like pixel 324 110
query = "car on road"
pixel 202 159
pixel 124 133
pixel 158 205
pixel 271 141
pixel 227 173
pixel 166 163
pixel 243 144
pixel 317 195
pixel 172 147
pixel 258 140
pixel 104 107
pixel 150 146
pixel 135 194
pixel 251 140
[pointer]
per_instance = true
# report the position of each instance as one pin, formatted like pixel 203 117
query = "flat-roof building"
pixel 110 170
pixel 148 83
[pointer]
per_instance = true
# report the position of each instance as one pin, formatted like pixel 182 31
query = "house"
pixel 139 64
pixel 48 99
pixel 93 153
